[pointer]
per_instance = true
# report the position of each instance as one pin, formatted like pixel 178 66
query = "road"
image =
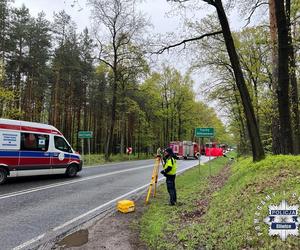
pixel 34 209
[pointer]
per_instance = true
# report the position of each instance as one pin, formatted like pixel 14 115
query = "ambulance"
pixel 28 148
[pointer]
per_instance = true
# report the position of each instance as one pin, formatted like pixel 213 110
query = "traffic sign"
pixel 129 150
pixel 85 134
pixel 204 132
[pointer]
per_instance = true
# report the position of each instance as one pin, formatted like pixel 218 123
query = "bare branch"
pixel 178 1
pixel 211 2
pixel 187 40
pixel 253 9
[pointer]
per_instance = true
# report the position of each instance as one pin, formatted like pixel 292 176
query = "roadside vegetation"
pixel 97 159
pixel 161 225
pixel 216 217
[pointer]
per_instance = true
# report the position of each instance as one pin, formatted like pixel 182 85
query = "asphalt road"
pixel 34 209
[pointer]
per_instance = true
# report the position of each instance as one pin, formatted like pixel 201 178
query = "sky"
pixel 80 13
pixel 158 11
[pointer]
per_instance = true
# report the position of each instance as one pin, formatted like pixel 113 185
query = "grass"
pixel 228 222
pixel 160 222
pixel 99 159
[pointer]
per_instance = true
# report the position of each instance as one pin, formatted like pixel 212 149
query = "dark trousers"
pixel 171 188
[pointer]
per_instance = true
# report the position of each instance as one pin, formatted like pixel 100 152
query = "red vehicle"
pixel 185 149
pixel 212 149
pixel 189 149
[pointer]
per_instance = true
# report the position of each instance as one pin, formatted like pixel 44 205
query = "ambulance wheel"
pixel 72 171
pixel 3 175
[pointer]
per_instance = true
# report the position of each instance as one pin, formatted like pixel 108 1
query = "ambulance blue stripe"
pixel 9 153
pixel 34 154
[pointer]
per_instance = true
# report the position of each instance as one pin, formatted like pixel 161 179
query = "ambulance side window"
pixel 61 144
pixel 34 142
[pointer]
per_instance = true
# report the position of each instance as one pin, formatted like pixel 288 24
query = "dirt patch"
pixel 117 231
pixel 202 205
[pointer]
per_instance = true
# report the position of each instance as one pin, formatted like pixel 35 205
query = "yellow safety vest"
pixel 171 162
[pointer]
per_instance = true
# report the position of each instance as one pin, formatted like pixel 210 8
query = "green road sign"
pixel 204 132
pixel 85 134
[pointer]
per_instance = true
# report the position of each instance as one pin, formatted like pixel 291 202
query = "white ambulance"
pixel 28 148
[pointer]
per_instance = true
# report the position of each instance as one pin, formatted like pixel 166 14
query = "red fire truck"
pixel 189 149
pixel 185 149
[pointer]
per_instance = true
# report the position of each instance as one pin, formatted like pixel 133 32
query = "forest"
pixel 100 79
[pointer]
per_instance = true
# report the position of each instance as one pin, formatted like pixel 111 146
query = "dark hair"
pixel 169 151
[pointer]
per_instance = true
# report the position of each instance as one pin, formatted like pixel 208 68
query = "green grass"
pixel 229 223
pixel 98 159
pixel 158 224
pixel 229 220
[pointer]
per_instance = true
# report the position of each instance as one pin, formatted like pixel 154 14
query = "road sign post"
pixel 86 135
pixel 208 133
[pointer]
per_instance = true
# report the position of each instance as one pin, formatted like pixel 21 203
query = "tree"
pixel 276 142
pixel 257 148
pixel 37 75
pixel 283 79
pixel 18 55
pixel 4 27
pixel 123 26
pixel 294 86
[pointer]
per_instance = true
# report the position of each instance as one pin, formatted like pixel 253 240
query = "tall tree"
pixel 294 86
pixel 37 75
pixel 257 148
pixel 62 28
pixel 18 46
pixel 123 25
pixel 283 79
pixel 4 27
pixel 276 142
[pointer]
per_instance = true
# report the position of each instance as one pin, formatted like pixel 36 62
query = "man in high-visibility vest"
pixel 169 172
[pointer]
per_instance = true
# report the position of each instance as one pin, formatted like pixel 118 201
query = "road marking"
pixel 27 191
pixel 113 164
pixel 28 243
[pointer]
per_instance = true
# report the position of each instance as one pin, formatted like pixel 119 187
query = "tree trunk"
pixel 294 87
pixel 109 141
pixel 257 148
pixel 276 143
pixel 78 126
pixel 243 145
pixel 122 133
pixel 283 80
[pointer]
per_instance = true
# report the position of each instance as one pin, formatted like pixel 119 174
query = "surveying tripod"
pixel 153 183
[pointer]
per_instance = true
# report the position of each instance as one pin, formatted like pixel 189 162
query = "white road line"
pixel 113 164
pixel 28 243
pixel 27 191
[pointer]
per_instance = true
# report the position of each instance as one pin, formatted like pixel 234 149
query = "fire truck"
pixel 185 149
pixel 189 149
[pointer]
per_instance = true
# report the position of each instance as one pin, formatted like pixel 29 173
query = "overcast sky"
pixel 155 9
